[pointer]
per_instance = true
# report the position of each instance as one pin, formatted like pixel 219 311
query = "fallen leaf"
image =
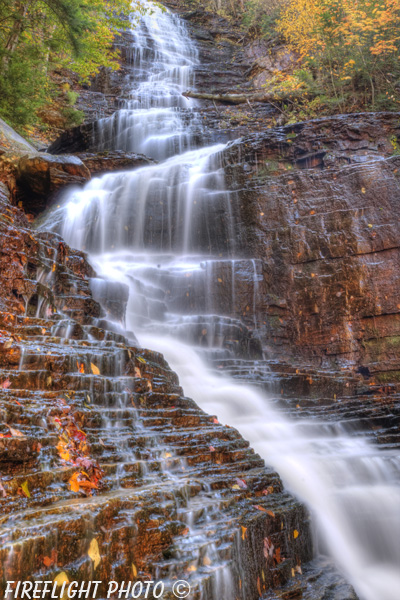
pixel 295 534
pixel 6 383
pixel 270 513
pixel 258 507
pixel 244 529
pixel 259 587
pixel 25 489
pixel 134 571
pixel 95 370
pixel 15 432
pixel 3 490
pixel 94 553
pixel 141 359
pixel 206 561
pixel 60 579
pixel 241 483
pixel 268 548
pixel 73 482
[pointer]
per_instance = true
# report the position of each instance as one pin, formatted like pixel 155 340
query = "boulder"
pixel 41 176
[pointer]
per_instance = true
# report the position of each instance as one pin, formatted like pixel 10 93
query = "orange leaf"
pixel 95 370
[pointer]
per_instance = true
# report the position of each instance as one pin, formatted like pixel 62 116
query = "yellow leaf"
pixel 295 534
pixel 95 370
pixel 94 553
pixel 192 569
pixel 244 529
pixel 60 579
pixel 363 190
pixel 25 489
pixel 236 487
pixel 134 571
pixel 141 359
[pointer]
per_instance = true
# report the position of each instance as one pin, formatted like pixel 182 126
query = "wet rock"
pixel 11 141
pixel 320 207
pixel 42 175
pixel 107 162
pixel 164 462
pixel 113 297
pixel 76 139
pixel 41 275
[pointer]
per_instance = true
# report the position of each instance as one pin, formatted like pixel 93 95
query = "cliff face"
pixel 319 204
pixel 104 462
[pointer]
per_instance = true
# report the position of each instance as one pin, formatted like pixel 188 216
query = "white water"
pixel 168 231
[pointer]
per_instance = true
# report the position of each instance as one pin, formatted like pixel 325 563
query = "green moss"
pixel 388 377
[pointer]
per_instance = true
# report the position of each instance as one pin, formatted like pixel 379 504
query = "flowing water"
pixel 169 233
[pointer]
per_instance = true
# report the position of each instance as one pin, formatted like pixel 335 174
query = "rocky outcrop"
pixel 11 141
pixel 107 162
pixel 41 176
pixel 319 203
pixel 104 462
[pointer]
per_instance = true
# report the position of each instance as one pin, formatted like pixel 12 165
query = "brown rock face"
pixel 99 448
pixel 319 202
pixel 40 176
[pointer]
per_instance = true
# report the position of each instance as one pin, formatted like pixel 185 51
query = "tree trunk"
pixel 243 98
pixel 16 30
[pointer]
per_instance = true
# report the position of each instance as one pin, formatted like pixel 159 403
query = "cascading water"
pixel 168 231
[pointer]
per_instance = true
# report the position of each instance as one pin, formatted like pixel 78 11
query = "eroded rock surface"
pixel 319 202
pixel 98 442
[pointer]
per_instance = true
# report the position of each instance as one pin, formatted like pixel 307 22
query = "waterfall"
pixel 169 232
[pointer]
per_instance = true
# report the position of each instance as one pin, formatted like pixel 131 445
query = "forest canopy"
pixel 38 37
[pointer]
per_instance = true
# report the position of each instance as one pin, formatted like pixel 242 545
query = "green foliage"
pixel 395 145
pixel 260 16
pixel 40 36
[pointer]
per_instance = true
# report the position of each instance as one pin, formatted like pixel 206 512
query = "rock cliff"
pixel 319 203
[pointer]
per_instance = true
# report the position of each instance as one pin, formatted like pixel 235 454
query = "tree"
pixel 39 36
pixel 350 47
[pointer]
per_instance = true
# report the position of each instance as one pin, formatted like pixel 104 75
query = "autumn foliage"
pixel 348 49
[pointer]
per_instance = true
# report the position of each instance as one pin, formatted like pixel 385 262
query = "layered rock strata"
pixel 99 448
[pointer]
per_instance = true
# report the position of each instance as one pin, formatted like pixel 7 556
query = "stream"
pixel 166 231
